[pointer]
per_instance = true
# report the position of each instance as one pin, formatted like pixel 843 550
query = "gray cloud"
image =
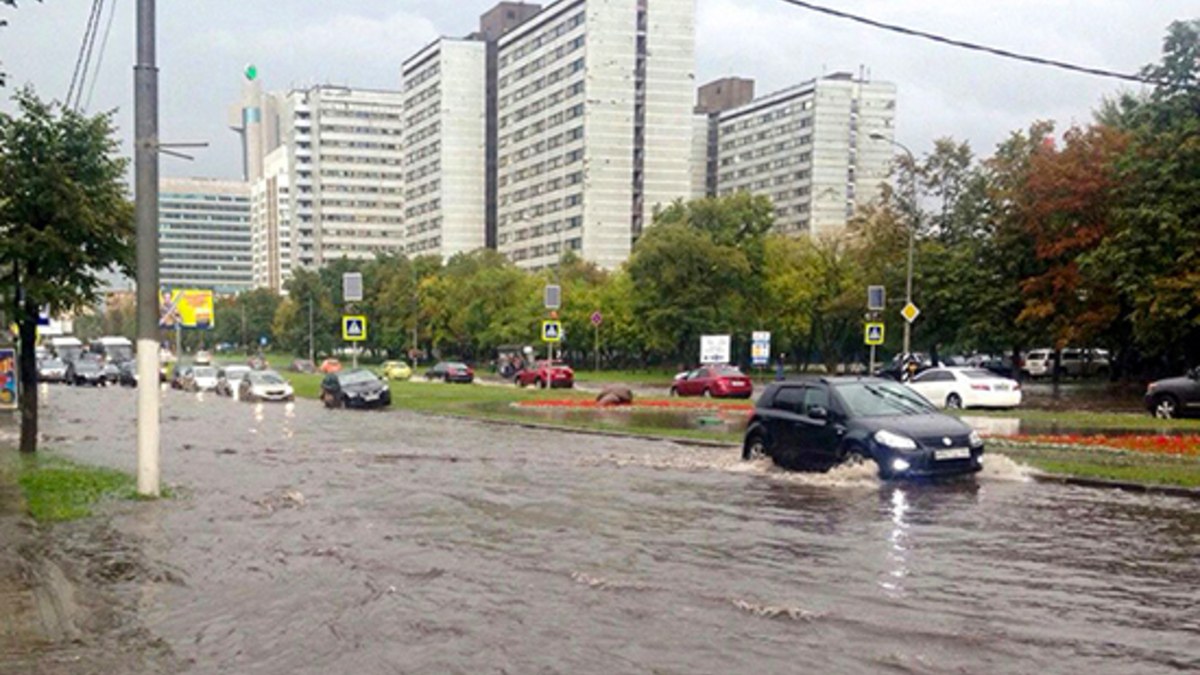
pixel 203 46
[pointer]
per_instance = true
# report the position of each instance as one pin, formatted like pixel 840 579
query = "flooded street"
pixel 304 540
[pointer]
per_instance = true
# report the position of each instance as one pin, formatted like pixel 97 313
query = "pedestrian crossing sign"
pixel 354 328
pixel 551 331
pixel 874 334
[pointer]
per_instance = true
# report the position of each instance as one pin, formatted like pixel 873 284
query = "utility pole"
pixel 146 191
pixel 311 352
pixel 912 231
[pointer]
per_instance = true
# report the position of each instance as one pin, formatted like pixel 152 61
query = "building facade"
pixel 593 131
pixel 204 238
pixel 271 223
pixel 809 149
pixel 445 153
pixel 346 174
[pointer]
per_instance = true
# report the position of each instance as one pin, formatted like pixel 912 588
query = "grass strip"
pixel 58 490
pixel 1083 420
pixel 1134 467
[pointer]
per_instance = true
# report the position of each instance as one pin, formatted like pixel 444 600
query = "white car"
pixel 265 385
pixel 957 388
pixel 204 378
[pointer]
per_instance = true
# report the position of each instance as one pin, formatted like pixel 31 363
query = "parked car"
pixel 1073 363
pixel 354 389
pixel 543 374
pixel 957 388
pixel 396 370
pixel 202 378
pixel 112 372
pixel 1175 396
pixel 330 366
pixel 229 378
pixel 88 372
pixel 820 423
pixel 451 371
pixel 303 366
pixel 713 381
pixel 52 370
pixel 265 385
pixel 1000 365
pixel 127 374
pixel 203 358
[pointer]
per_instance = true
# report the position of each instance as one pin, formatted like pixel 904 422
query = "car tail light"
pixel 981 387
pixel 1016 386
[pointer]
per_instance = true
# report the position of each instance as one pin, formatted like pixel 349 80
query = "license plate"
pixel 952 453
pixel 738 383
pixel 1002 387
pixel 370 397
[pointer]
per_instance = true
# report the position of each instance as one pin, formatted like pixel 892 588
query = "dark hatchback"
pixel 354 389
pixel 1175 397
pixel 816 424
pixel 86 372
pixel 451 371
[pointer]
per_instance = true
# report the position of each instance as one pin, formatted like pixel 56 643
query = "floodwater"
pixel 313 541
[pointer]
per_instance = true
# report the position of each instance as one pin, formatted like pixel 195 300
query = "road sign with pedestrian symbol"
pixel 552 331
pixel 874 334
pixel 354 328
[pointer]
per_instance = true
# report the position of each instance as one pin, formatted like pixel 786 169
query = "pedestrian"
pixel 779 369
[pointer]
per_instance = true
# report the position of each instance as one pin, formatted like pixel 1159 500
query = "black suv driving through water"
pixel 816 424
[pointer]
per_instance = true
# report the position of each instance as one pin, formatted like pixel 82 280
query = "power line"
pixel 91 26
pixel 976 47
pixel 112 12
pixel 87 61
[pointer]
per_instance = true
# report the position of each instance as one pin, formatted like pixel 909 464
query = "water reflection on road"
pixel 315 541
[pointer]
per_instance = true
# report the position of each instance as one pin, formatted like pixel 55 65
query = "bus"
pixel 66 348
pixel 112 349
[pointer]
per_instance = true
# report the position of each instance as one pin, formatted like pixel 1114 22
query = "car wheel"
pixel 541 384
pixel 1166 407
pixel 707 393
pixel 673 393
pixel 447 379
pixel 954 402
pixel 755 447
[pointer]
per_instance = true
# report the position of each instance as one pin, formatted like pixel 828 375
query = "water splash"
pixel 1002 468
pixel 774 611
pixel 861 475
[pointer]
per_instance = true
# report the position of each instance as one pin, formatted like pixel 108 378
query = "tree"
pixel 64 218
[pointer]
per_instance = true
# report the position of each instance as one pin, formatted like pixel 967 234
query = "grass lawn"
pixel 1132 467
pixel 1084 420
pixel 57 490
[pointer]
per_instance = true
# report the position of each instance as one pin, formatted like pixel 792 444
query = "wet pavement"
pixel 313 541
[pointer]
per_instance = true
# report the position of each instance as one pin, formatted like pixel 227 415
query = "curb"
pixel 1125 486
pixel 539 426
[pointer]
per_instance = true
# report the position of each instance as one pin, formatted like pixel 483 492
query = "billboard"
pixel 714 349
pixel 186 308
pixel 8 379
pixel 760 347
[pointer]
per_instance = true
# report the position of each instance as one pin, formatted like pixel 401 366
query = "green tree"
pixel 65 217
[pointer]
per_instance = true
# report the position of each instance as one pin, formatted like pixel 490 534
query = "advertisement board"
pixel 8 379
pixel 186 308
pixel 714 349
pixel 760 347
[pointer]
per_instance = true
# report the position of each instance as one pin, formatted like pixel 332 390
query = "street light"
pixel 912 230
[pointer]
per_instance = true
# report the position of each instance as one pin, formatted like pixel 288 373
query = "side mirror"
pixel 1194 373
pixel 817 412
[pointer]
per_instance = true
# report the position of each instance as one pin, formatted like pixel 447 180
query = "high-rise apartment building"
pixel 346 174
pixel 256 121
pixel 445 154
pixel 713 99
pixel 809 149
pixel 204 234
pixel 271 223
pixel 593 129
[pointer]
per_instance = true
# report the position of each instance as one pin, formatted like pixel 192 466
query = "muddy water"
pixel 314 541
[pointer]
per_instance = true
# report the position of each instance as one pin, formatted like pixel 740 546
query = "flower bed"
pixel 1184 445
pixel 587 404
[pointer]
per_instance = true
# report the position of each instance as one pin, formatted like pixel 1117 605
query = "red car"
pixel 718 381
pixel 330 366
pixel 555 375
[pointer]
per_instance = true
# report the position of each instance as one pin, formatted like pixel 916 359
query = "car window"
pixel 877 399
pixel 1071 354
pixel 789 399
pixel 356 377
pixel 727 371
pixel 935 376
pixel 979 374
pixel 1037 356
pixel 815 396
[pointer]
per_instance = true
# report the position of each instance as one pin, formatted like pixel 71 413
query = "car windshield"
pixel 728 371
pixel 356 377
pixel 879 399
pixel 266 377
pixel 979 374
pixel 236 372
pixel 87 366
pixel 455 365
pixel 52 363
pixel 204 372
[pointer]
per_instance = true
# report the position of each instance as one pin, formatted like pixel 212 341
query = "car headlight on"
pixel 352 394
pixel 384 389
pixel 900 465
pixel 896 441
pixel 975 439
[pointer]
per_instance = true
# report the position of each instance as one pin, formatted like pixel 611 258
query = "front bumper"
pixel 923 463
pixel 383 401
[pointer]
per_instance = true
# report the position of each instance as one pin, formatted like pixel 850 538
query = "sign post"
pixel 873 333
pixel 597 319
pixel 354 331
pixel 552 300
pixel 760 349
pixel 352 292
pixel 714 349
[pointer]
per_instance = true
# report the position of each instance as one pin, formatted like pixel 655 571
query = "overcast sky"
pixel 943 91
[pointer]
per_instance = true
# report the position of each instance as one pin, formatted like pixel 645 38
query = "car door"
pixel 819 433
pixel 782 424
pixel 1191 393
pixel 934 385
pixel 687 386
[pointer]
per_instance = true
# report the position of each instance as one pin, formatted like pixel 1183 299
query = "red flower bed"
pixel 660 405
pixel 1154 444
